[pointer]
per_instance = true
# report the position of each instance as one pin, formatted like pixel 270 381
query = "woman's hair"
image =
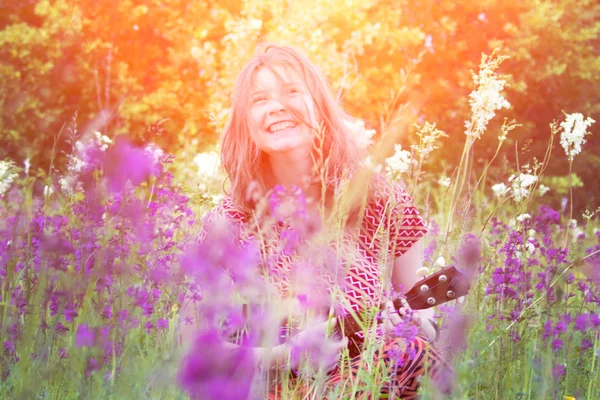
pixel 244 162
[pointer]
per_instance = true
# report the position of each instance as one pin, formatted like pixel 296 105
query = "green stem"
pixel 590 384
pixel 570 204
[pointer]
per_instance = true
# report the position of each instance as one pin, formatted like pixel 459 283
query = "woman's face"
pixel 282 111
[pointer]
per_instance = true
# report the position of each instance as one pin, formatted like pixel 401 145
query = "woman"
pixel 286 131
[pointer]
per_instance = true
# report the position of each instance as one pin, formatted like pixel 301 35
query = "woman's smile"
pixel 282 126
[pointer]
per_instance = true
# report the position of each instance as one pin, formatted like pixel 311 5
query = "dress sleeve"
pixel 405 224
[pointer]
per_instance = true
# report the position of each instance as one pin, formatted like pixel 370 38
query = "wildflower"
pixel 70 313
pixel 543 189
pixel 573 133
pixel 26 165
pixel 102 141
pixel 92 366
pixel 558 371
pixel 311 351
pixel 586 344
pixel 213 371
pixel 499 189
pixel 85 336
pixel 400 162
pixel 445 181
pixel 454 332
pixel 220 258
pixel 207 163
pixel 126 163
pixel 523 217
pixel 162 323
pixel 7 175
pixel 362 136
pixel 368 163
pixel 557 344
pixel 440 262
pixel 520 185
pixel 428 135
pixel 486 99
pixel 469 253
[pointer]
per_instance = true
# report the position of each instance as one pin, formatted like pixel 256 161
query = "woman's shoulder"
pixel 385 192
pixel 227 208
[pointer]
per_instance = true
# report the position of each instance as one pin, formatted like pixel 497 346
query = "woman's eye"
pixel 292 91
pixel 258 99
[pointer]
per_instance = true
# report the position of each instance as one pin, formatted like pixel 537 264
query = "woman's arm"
pixel 404 276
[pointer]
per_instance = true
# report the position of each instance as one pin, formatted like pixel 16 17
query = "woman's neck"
pixel 295 168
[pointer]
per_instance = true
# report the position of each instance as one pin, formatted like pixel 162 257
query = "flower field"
pixel 119 280
pixel 108 292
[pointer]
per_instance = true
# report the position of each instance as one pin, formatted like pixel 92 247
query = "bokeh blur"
pixel 162 71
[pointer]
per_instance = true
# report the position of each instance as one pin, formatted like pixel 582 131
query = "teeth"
pixel 282 125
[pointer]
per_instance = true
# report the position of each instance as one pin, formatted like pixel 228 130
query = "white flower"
pixel 523 217
pixel 70 184
pixel 368 163
pixel 445 181
pixel 543 189
pixel 7 175
pixel 520 185
pixel 207 163
pixel 531 233
pixel 486 99
pixel 573 134
pixel 530 247
pixel 102 140
pixel 499 189
pixel 27 165
pixel 440 262
pixel 400 162
pixel 154 151
pixel 362 136
pixel 48 190
pixel 428 135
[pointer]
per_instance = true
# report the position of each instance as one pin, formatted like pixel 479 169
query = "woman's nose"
pixel 276 107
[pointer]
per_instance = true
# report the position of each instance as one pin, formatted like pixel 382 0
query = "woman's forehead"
pixel 270 77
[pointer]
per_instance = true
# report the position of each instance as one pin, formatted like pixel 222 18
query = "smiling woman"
pixel 286 134
pixel 281 86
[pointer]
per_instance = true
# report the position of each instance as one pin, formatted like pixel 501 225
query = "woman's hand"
pixel 313 348
pixel 392 317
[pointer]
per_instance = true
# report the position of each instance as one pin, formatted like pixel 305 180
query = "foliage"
pixel 153 69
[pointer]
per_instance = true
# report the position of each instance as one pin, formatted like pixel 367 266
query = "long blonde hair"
pixel 245 163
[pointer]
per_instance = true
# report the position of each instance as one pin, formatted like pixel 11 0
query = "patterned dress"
pixel 389 227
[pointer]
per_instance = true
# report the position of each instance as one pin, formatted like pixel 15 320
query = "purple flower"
pixel 312 351
pixel 60 328
pixel 84 337
pixel 92 366
pixel 221 258
pixel 149 326
pixel 70 313
pixel 212 371
pixel 582 323
pixel 547 330
pixel 126 163
pixel 586 344
pixel 561 327
pixel 557 344
pixel 162 324
pixel 62 353
pixel 558 371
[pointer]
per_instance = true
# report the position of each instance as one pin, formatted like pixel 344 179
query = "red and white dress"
pixel 389 227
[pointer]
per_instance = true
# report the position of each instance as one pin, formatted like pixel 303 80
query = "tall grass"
pixel 107 293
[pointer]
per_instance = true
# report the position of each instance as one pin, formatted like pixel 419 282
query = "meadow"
pixel 99 260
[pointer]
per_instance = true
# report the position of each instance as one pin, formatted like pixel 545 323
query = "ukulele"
pixel 441 287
